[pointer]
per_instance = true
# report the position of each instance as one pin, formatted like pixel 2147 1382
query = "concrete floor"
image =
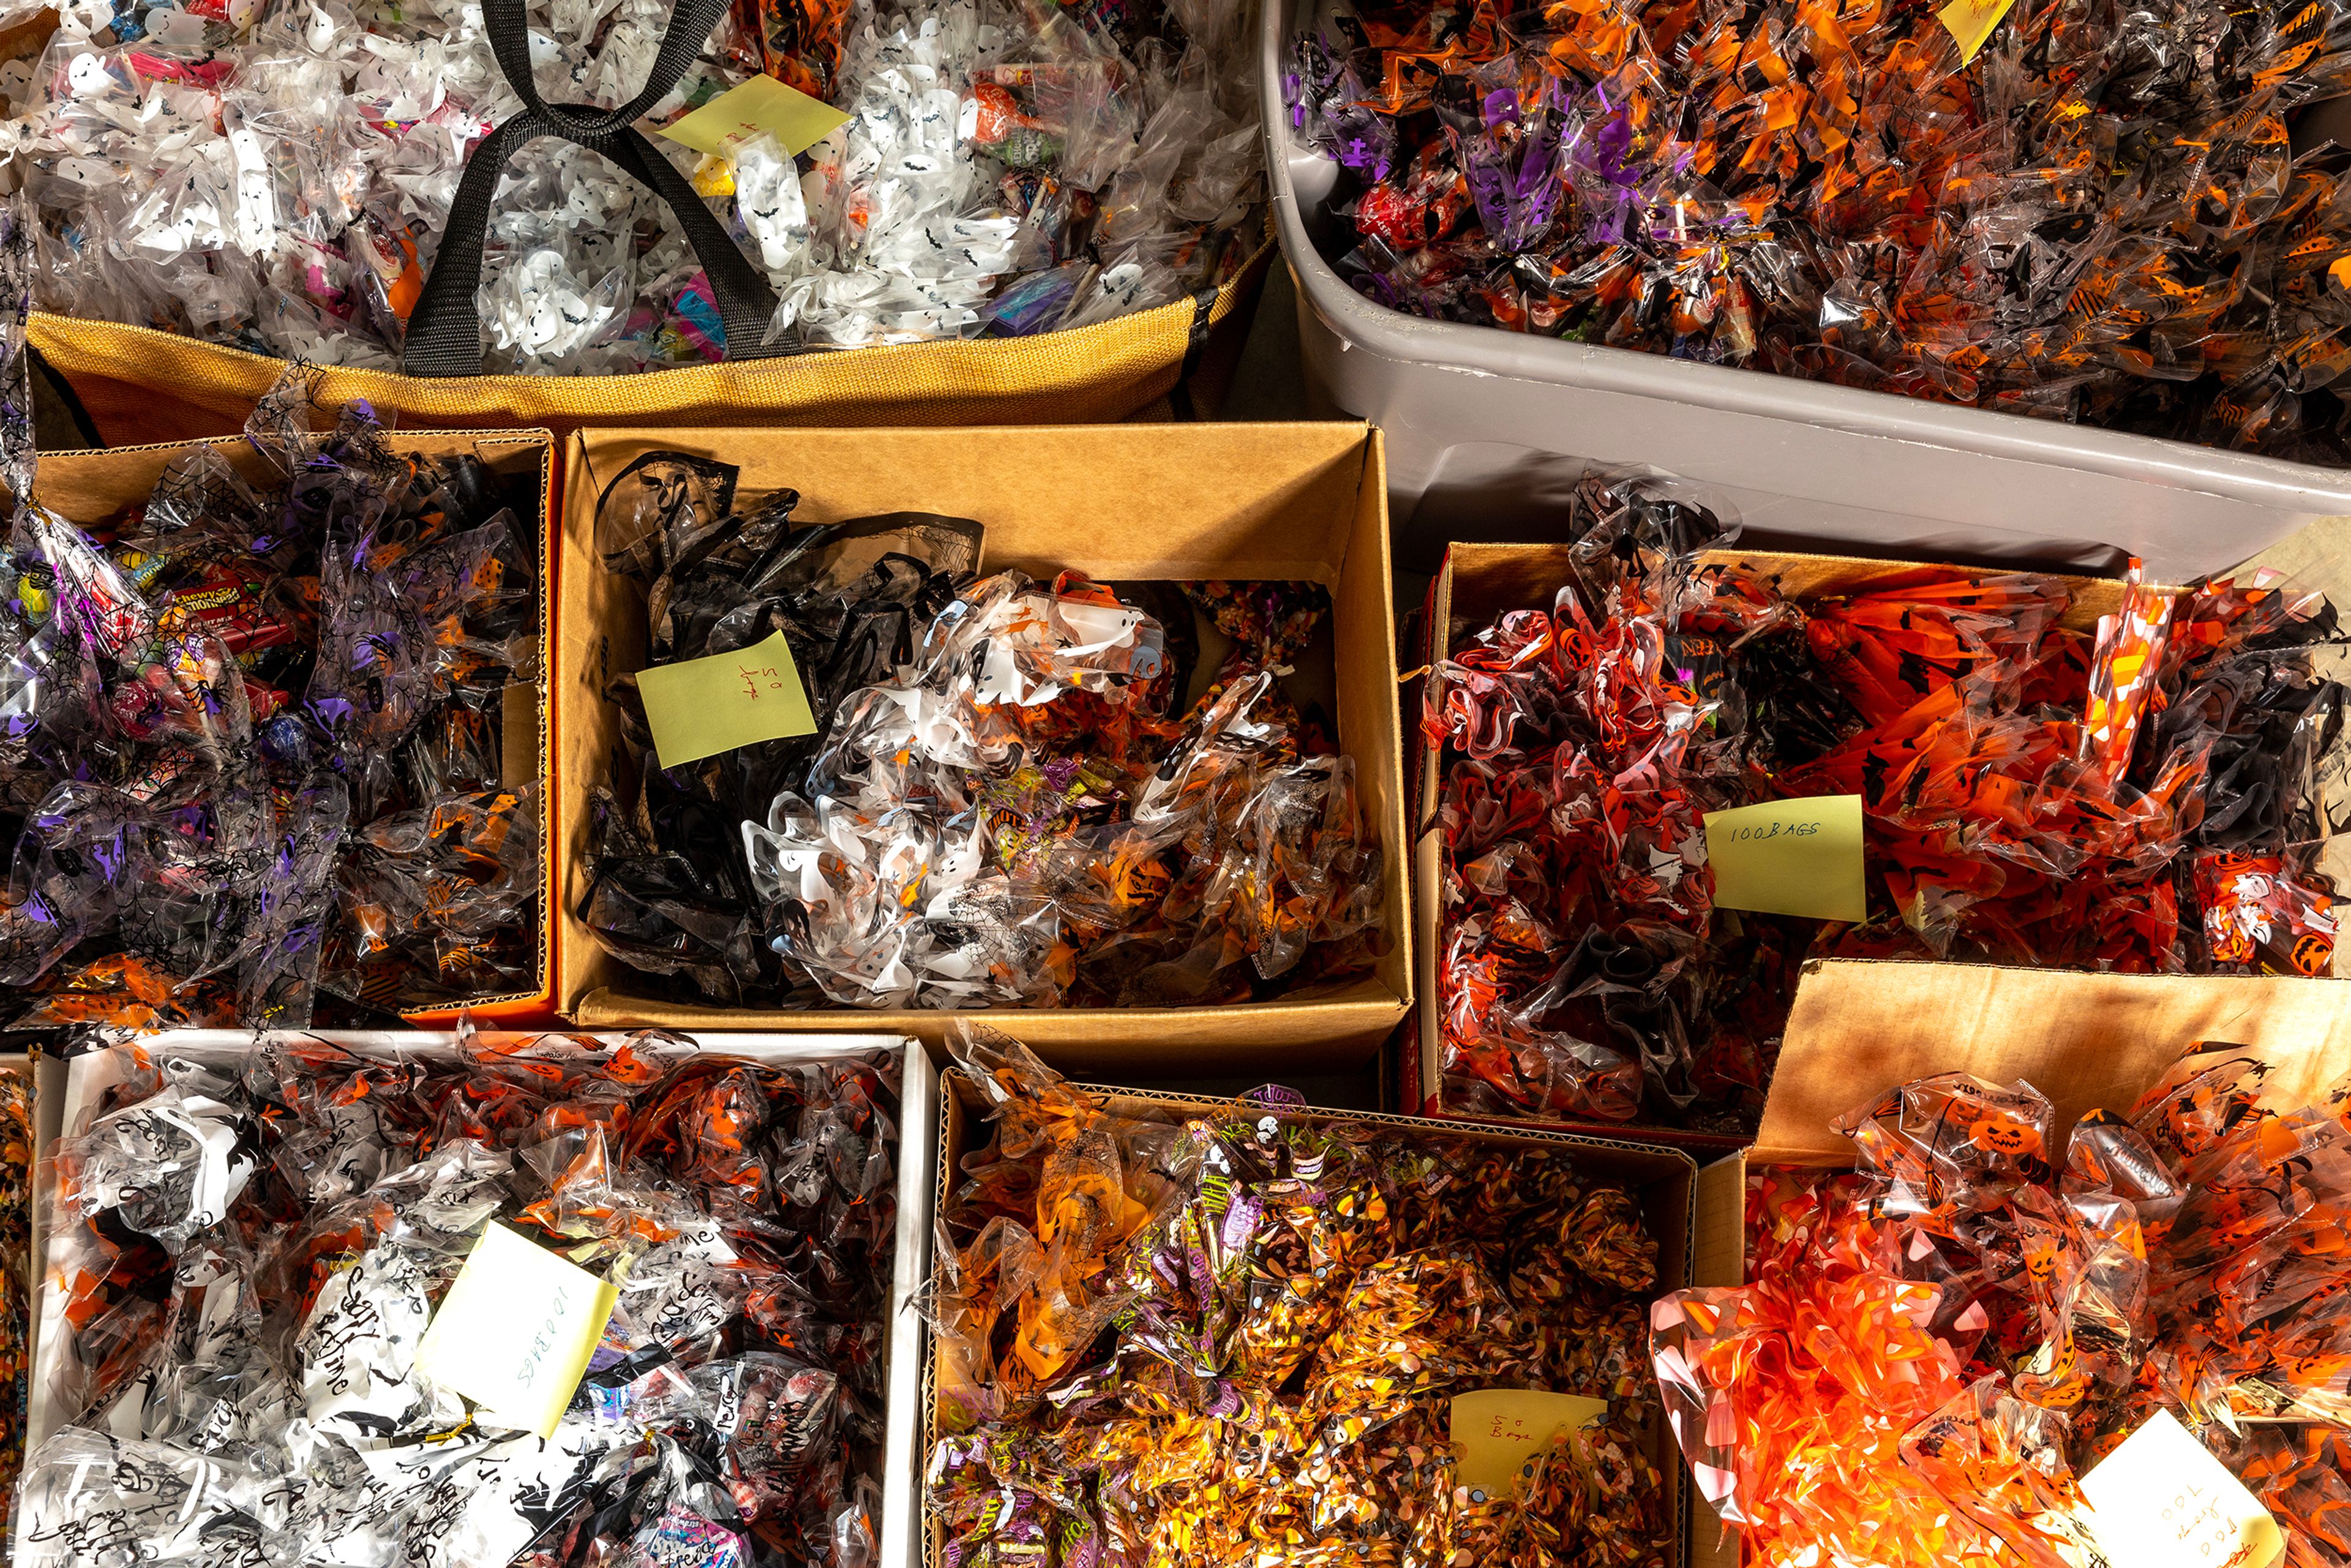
pixel 1270 385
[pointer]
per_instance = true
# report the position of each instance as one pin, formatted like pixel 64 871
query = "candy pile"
pixel 16 1275
pixel 1002 804
pixel 279 178
pixel 1937 1346
pixel 2144 799
pixel 1234 1340
pixel 260 1243
pixel 252 744
pixel 2096 220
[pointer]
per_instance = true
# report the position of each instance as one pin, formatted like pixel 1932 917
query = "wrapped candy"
pixel 2145 799
pixel 1863 197
pixel 1006 801
pixel 1934 1348
pixel 16 1278
pixel 1234 1339
pixel 253 748
pixel 257 1245
pixel 281 180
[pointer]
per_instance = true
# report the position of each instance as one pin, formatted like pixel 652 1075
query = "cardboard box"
pixel 1179 502
pixel 1477 584
pixel 81 1082
pixel 91 487
pixel 1665 1179
pixel 1862 1027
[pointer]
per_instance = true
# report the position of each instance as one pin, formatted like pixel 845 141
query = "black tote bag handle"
pixel 444 330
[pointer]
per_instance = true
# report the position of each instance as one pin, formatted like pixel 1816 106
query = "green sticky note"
pixel 703 706
pixel 516 1331
pixel 746 110
pixel 1790 857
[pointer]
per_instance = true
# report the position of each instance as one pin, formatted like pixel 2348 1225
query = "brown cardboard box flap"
pixel 1487 579
pixel 1145 1041
pixel 1861 1027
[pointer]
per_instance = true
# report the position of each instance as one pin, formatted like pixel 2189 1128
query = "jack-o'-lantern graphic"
pixel 2005 1136
pixel 2232 945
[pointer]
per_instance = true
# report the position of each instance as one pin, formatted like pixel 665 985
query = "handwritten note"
pixel 1498 1431
pixel 2162 1501
pixel 515 1332
pixel 761 105
pixel 1970 22
pixel 701 708
pixel 1790 857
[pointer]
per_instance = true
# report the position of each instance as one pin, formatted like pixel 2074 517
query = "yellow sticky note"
pixel 1790 857
pixel 745 110
pixel 515 1332
pixel 1970 22
pixel 2162 1501
pixel 1499 1429
pixel 701 708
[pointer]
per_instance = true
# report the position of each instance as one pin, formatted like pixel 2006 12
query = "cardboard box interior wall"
pixel 1862 1027
pixel 70 1091
pixel 1477 584
pixel 1665 1180
pixel 91 487
pixel 1117 503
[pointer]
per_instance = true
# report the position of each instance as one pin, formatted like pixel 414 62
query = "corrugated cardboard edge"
pixel 1476 582
pixel 1668 1205
pixel 1318 1028
pixel 1861 1027
pixel 509 1006
pixel 74 1091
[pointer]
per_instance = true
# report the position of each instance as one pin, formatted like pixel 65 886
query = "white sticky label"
pixel 2162 1501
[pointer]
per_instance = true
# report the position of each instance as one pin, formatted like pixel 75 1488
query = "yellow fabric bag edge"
pixel 1095 374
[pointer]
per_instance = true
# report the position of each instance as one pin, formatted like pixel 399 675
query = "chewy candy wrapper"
pixel 279 180
pixel 251 751
pixel 1008 800
pixel 16 1275
pixel 260 1240
pixel 2142 796
pixel 1164 1340
pixel 1934 1348
pixel 2084 221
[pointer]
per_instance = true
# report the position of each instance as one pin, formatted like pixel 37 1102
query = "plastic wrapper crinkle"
pixel 257 1248
pixel 1235 1338
pixel 15 1276
pixel 1936 1347
pixel 2119 218
pixel 1007 801
pixel 278 177
pixel 251 763
pixel 2143 797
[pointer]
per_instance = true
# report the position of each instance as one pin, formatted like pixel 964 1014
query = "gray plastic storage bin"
pixel 1484 425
